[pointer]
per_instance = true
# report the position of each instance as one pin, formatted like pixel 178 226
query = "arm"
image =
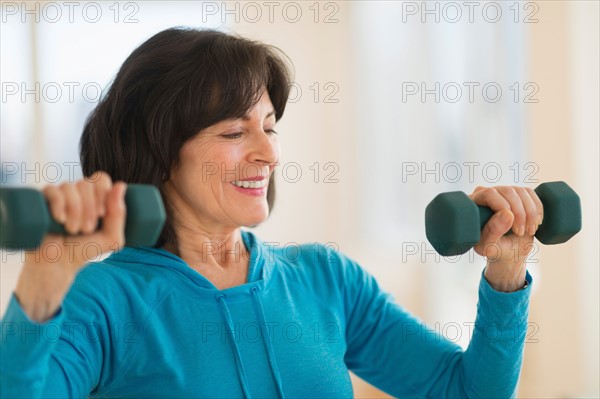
pixel 56 358
pixel 397 353
pixel 40 353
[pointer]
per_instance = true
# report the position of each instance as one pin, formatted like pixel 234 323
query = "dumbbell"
pixel 25 217
pixel 453 222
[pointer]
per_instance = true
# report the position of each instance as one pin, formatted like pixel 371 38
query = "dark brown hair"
pixel 175 84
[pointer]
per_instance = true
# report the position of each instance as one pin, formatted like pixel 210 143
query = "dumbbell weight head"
pixel 25 218
pixel 562 213
pixel 452 223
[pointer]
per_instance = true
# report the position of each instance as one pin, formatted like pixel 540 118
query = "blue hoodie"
pixel 143 324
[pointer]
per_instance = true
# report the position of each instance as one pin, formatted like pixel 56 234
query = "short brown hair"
pixel 175 84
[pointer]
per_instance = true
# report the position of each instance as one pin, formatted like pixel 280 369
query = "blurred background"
pixel 393 102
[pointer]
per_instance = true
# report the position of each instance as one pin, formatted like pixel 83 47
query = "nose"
pixel 265 148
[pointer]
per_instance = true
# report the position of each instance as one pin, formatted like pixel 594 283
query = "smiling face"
pixel 221 181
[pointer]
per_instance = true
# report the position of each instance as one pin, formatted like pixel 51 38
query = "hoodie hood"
pixel 258 272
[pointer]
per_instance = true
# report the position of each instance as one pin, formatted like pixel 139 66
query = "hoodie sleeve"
pixel 50 359
pixel 399 354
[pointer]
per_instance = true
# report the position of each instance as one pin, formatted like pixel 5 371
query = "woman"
pixel 211 310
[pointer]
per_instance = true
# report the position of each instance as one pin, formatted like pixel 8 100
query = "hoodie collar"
pixel 159 257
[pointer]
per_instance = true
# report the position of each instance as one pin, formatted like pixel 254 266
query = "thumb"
pixel 113 223
pixel 496 227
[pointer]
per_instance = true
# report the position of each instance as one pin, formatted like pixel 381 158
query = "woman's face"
pixel 204 190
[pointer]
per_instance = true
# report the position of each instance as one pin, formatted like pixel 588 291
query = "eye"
pixel 271 131
pixel 232 135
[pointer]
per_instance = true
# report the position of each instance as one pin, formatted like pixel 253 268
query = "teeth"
pixel 251 184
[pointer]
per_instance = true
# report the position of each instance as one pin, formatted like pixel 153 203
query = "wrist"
pixel 38 310
pixel 40 291
pixel 506 278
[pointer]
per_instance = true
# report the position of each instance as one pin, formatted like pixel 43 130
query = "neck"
pixel 222 249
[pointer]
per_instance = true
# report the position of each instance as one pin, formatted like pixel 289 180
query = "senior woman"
pixel 212 310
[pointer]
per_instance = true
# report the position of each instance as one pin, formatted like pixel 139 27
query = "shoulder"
pixel 113 286
pixel 108 274
pixel 336 280
pixel 322 264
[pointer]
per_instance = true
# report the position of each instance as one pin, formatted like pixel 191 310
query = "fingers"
pixel 496 227
pixel 56 202
pixel 524 204
pixel 538 205
pixel 103 185
pixel 89 209
pixel 491 198
pixel 516 207
pixel 78 206
pixel 73 207
pixel 530 213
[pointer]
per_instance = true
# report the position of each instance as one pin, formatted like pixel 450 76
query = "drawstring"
pixel 267 341
pixel 238 359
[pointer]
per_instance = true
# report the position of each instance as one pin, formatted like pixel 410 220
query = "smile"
pixel 251 184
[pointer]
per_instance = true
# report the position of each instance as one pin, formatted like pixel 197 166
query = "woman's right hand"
pixel 50 269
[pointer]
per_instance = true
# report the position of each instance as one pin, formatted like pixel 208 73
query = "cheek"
pixel 228 161
pixel 206 162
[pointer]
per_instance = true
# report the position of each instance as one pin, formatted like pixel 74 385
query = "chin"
pixel 257 219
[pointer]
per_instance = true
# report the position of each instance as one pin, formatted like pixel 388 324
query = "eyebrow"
pixel 246 117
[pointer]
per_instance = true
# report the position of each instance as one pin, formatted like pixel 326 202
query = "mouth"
pixel 251 183
pixel 252 186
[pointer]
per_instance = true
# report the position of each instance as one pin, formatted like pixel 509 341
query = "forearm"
pixel 40 291
pixel 492 362
pixel 25 352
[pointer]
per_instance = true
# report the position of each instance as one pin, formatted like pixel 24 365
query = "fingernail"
pixel 539 219
pixel 531 230
pixel 521 231
pixel 62 218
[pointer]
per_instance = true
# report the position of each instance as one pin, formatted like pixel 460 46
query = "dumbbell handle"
pixel 25 217
pixel 485 214
pixel 55 227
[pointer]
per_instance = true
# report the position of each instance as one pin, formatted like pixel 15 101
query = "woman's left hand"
pixel 518 210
